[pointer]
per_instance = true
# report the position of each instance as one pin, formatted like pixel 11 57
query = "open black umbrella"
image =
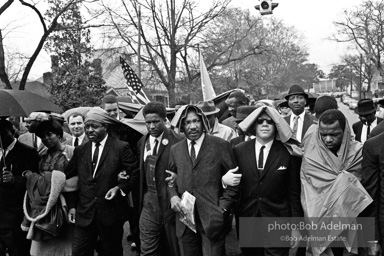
pixel 22 103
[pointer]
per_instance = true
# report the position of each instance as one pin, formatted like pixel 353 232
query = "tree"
pixel 48 28
pixel 76 81
pixel 345 75
pixel 363 28
pixel 171 32
pixel 280 59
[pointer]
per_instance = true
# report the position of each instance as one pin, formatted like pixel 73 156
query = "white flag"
pixel 206 85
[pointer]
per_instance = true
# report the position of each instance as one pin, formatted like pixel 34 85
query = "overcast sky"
pixel 312 18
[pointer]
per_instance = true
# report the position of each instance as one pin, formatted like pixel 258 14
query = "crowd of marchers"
pixel 68 185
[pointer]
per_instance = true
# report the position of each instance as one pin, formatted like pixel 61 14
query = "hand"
pixel 231 178
pixel 8 176
pixel 171 178
pixel 374 248
pixel 175 204
pixel 122 176
pixel 111 193
pixel 295 234
pixel 72 215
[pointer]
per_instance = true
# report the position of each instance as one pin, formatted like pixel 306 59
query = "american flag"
pixel 134 84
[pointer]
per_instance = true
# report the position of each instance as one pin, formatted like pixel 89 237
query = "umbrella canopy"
pixel 22 103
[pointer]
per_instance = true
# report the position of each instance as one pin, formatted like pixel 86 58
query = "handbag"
pixel 53 222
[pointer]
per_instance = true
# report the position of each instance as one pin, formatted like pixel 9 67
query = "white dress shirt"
pixel 152 143
pixel 300 124
pixel 267 148
pixel 8 149
pixel 81 138
pixel 101 147
pixel 364 130
pixel 198 144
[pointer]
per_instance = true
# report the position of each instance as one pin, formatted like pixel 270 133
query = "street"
pixel 351 116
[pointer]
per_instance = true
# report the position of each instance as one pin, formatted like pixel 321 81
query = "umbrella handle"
pixel 2 149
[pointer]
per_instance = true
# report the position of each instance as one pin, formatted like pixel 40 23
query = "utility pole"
pixel 139 45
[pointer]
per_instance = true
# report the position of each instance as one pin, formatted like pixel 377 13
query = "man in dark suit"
pixel 157 220
pixel 98 210
pixel 76 127
pixel 299 120
pixel 366 110
pixel 200 160
pixel 372 171
pixel 270 182
pixel 18 158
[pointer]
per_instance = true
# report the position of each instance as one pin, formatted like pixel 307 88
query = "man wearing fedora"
pixel 215 128
pixel 241 113
pixel 298 120
pixel 30 137
pixel 366 110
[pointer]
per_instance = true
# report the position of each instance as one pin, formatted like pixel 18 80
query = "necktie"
pixel 34 141
pixel 95 156
pixel 260 164
pixel 295 125
pixel 155 147
pixel 193 152
pixel 368 130
pixel 76 142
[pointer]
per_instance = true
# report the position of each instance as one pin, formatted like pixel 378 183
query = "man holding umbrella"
pixel 15 159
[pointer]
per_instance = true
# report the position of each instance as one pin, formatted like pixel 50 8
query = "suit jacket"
pixel 203 180
pixel 21 158
pixel 274 193
pixel 372 181
pixel 308 121
pixel 377 130
pixel 169 139
pixel 69 141
pixel 117 156
pixel 237 140
pixel 358 127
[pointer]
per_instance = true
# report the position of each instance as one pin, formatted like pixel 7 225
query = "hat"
pixel 37 116
pixel 208 107
pixel 243 111
pixel 365 107
pixel 296 90
pixel 57 117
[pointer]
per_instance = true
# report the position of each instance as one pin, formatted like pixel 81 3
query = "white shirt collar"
pixel 102 143
pixel 198 142
pixel 267 145
pixel 9 148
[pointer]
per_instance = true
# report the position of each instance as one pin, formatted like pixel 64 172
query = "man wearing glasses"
pixel 200 160
pixel 270 182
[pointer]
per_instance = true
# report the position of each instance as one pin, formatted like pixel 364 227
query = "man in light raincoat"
pixel 331 190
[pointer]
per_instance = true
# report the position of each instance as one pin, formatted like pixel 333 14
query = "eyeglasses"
pixel 261 121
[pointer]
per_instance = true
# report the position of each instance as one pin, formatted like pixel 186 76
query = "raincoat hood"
pixel 283 130
pixel 183 114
